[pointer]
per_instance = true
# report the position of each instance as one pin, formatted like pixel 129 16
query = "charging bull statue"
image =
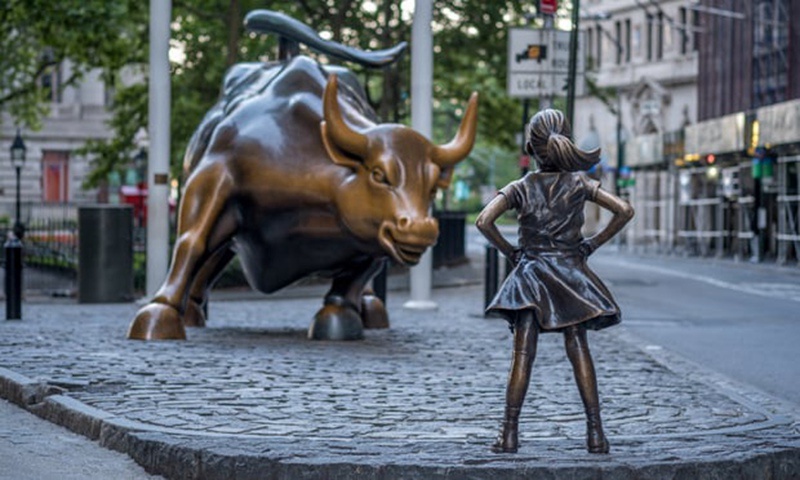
pixel 291 172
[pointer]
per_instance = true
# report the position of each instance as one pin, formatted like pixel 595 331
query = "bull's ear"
pixel 445 177
pixel 339 156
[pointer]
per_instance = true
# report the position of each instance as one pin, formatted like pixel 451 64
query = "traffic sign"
pixel 538 62
pixel 548 7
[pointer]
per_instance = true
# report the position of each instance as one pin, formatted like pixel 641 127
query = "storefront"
pixel 709 206
pixel 776 172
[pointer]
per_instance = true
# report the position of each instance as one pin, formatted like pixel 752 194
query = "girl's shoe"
pixel 596 441
pixel 507 441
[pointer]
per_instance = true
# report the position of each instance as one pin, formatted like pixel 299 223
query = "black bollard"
pixel 13 252
pixel 379 282
pixel 490 277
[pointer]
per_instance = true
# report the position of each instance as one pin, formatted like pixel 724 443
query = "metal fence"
pixel 50 247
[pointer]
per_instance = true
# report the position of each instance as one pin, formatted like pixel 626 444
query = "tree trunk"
pixel 234 31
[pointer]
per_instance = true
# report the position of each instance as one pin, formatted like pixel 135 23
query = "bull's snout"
pixel 406 239
pixel 422 231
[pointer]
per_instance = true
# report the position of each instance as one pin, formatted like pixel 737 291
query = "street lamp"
pixel 13 245
pixel 140 164
pixel 18 151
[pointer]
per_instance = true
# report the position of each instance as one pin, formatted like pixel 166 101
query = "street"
pixel 738 319
pixel 32 448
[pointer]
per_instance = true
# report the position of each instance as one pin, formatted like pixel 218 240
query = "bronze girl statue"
pixel 551 288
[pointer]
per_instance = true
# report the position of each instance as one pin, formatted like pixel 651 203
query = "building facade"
pixel 709 131
pixel 642 70
pixel 53 174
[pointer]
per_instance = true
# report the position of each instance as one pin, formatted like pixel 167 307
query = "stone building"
pixel 642 65
pixel 53 173
pixel 709 126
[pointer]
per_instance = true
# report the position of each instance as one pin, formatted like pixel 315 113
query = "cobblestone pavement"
pixel 250 397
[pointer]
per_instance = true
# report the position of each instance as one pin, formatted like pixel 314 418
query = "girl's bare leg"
pixel 583 368
pixel 526 335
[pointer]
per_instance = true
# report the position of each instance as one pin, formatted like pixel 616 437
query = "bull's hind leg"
pixel 202 230
pixel 373 311
pixel 195 311
pixel 340 318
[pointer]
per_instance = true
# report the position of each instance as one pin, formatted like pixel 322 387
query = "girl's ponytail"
pixel 549 142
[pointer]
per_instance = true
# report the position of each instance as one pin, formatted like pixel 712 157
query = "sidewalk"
pixel 250 397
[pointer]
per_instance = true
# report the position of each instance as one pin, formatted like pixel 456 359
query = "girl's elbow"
pixel 481 222
pixel 627 211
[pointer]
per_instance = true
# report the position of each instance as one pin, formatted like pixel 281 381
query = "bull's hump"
pixel 299 75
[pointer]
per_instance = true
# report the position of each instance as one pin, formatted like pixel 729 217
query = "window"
pixel 660 36
pixel 684 49
pixel 627 40
pixel 50 83
pixel 649 37
pixel 618 36
pixel 599 46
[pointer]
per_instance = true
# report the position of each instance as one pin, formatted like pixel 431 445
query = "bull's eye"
pixel 379 176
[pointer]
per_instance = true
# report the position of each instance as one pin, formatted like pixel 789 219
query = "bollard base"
pixel 13 256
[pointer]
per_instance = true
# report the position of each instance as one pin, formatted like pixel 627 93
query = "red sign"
pixel 548 7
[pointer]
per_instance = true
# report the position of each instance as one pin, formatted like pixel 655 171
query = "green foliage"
pixel 37 35
pixel 469 43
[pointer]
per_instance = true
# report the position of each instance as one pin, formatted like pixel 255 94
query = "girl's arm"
pixel 485 223
pixel 623 213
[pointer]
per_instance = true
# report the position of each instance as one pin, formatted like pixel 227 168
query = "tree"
pixel 207 38
pixel 36 36
pixel 470 54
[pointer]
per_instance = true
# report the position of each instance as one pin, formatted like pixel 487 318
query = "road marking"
pixel 785 291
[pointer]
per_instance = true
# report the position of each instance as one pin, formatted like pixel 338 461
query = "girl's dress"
pixel 552 277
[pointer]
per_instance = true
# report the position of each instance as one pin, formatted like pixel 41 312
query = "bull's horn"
pixel 342 135
pixel 458 148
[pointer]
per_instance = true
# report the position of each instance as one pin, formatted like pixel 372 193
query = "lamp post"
pixel 13 245
pixel 18 151
pixel 140 163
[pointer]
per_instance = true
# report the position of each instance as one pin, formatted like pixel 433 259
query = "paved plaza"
pixel 250 397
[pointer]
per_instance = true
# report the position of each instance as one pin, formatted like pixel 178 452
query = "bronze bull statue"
pixel 291 172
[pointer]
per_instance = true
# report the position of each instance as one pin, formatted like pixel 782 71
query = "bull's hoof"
pixel 334 322
pixel 373 312
pixel 195 315
pixel 156 321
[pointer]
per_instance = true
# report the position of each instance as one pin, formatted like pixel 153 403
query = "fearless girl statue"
pixel 551 288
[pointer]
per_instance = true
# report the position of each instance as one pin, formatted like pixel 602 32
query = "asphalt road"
pixel 34 449
pixel 738 319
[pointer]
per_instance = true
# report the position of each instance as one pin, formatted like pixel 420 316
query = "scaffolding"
pixel 788 235
pixel 653 228
pixel 770 47
pixel 701 213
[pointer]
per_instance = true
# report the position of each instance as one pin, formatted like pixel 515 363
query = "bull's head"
pixel 395 174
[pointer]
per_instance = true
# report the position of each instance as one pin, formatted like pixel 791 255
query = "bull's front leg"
pixel 348 308
pixel 202 230
pixel 195 310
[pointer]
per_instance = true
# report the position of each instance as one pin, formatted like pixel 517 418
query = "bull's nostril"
pixel 403 222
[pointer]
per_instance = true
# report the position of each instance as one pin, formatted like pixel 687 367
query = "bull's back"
pixel 277 106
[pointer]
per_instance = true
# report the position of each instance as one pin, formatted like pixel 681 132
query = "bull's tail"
pixel 268 21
